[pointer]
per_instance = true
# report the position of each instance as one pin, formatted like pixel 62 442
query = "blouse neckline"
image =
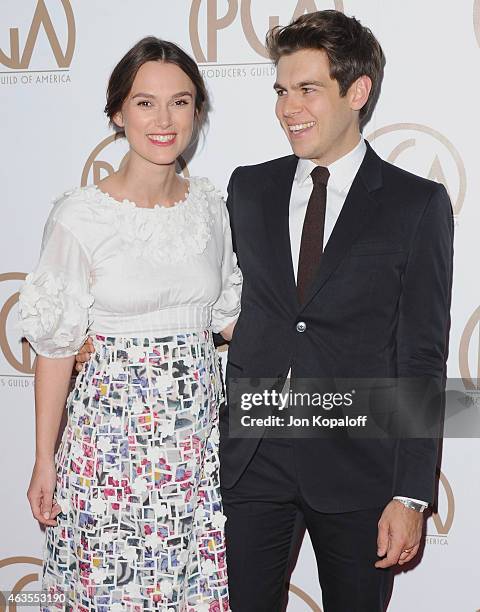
pixel 172 234
pixel 131 204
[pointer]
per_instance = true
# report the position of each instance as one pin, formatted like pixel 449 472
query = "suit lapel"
pixel 355 215
pixel 277 204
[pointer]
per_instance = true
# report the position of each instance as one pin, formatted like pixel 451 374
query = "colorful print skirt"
pixel 141 526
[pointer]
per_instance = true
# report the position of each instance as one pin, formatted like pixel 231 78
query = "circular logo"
pixel 108 156
pixel 254 27
pixel 16 351
pixel 20 583
pixel 443 522
pixel 312 605
pixel 18 58
pixel 424 151
pixel 469 353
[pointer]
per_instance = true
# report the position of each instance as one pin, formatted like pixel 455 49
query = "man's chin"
pixel 301 149
pixel 302 152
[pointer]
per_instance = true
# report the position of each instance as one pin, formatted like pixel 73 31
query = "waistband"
pixel 157 324
pixel 182 338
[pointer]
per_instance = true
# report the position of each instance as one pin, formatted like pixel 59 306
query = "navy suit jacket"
pixel 377 308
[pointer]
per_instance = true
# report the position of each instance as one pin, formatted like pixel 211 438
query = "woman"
pixel 144 262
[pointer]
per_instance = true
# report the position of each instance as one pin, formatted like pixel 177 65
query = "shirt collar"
pixel 342 171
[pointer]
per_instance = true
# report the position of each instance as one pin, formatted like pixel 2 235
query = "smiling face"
pixel 319 123
pixel 159 112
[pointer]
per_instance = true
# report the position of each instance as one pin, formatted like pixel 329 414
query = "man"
pixel 372 303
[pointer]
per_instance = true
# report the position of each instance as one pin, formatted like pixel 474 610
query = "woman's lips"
pixel 162 140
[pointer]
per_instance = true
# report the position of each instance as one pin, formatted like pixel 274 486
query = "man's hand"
pixel 399 533
pixel 84 354
pixel 227 333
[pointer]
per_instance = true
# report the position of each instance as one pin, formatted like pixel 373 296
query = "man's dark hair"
pixel 352 49
pixel 151 49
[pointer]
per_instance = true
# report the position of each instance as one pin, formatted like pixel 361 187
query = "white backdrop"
pixel 55 58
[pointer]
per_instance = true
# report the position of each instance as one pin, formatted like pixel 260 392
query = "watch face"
pixel 415 506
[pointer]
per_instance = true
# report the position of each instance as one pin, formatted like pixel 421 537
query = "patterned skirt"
pixel 141 526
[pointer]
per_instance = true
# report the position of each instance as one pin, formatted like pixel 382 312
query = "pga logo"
pixel 16 355
pixel 209 17
pixel 425 151
pixel 55 18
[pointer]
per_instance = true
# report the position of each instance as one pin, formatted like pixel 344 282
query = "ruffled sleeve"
pixel 227 308
pixel 55 300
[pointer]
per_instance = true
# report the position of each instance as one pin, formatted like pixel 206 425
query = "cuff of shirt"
pixel 418 501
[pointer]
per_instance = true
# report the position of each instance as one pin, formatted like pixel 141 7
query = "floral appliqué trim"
pixel 53 309
pixel 162 234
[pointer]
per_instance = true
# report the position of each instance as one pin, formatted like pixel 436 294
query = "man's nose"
pixel 291 106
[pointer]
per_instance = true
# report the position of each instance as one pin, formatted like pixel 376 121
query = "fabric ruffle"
pixel 53 313
pixel 162 234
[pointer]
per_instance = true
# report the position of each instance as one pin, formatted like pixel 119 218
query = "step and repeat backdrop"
pixel 55 59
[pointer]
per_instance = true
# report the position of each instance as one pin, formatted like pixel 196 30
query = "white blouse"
pixel 116 269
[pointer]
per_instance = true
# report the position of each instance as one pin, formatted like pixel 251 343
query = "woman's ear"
pixel 118 119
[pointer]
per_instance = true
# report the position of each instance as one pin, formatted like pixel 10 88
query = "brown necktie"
pixel 311 246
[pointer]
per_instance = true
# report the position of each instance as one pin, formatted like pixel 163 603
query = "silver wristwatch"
pixel 408 503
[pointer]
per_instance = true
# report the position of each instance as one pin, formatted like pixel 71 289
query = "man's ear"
pixel 359 92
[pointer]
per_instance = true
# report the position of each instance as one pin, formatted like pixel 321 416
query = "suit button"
pixel 301 327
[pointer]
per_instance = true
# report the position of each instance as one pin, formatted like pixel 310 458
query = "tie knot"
pixel 320 175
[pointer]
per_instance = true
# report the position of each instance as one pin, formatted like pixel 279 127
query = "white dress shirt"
pixel 342 173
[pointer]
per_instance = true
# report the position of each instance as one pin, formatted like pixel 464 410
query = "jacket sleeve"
pixel 422 345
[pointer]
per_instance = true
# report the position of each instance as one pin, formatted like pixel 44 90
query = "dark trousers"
pixel 265 511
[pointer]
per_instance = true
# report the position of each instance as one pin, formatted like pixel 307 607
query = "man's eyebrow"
pixel 307 83
pixel 277 85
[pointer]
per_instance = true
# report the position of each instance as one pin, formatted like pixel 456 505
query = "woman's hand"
pixel 40 493
pixel 84 354
pixel 227 333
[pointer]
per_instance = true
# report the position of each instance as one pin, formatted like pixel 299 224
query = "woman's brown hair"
pixel 152 49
